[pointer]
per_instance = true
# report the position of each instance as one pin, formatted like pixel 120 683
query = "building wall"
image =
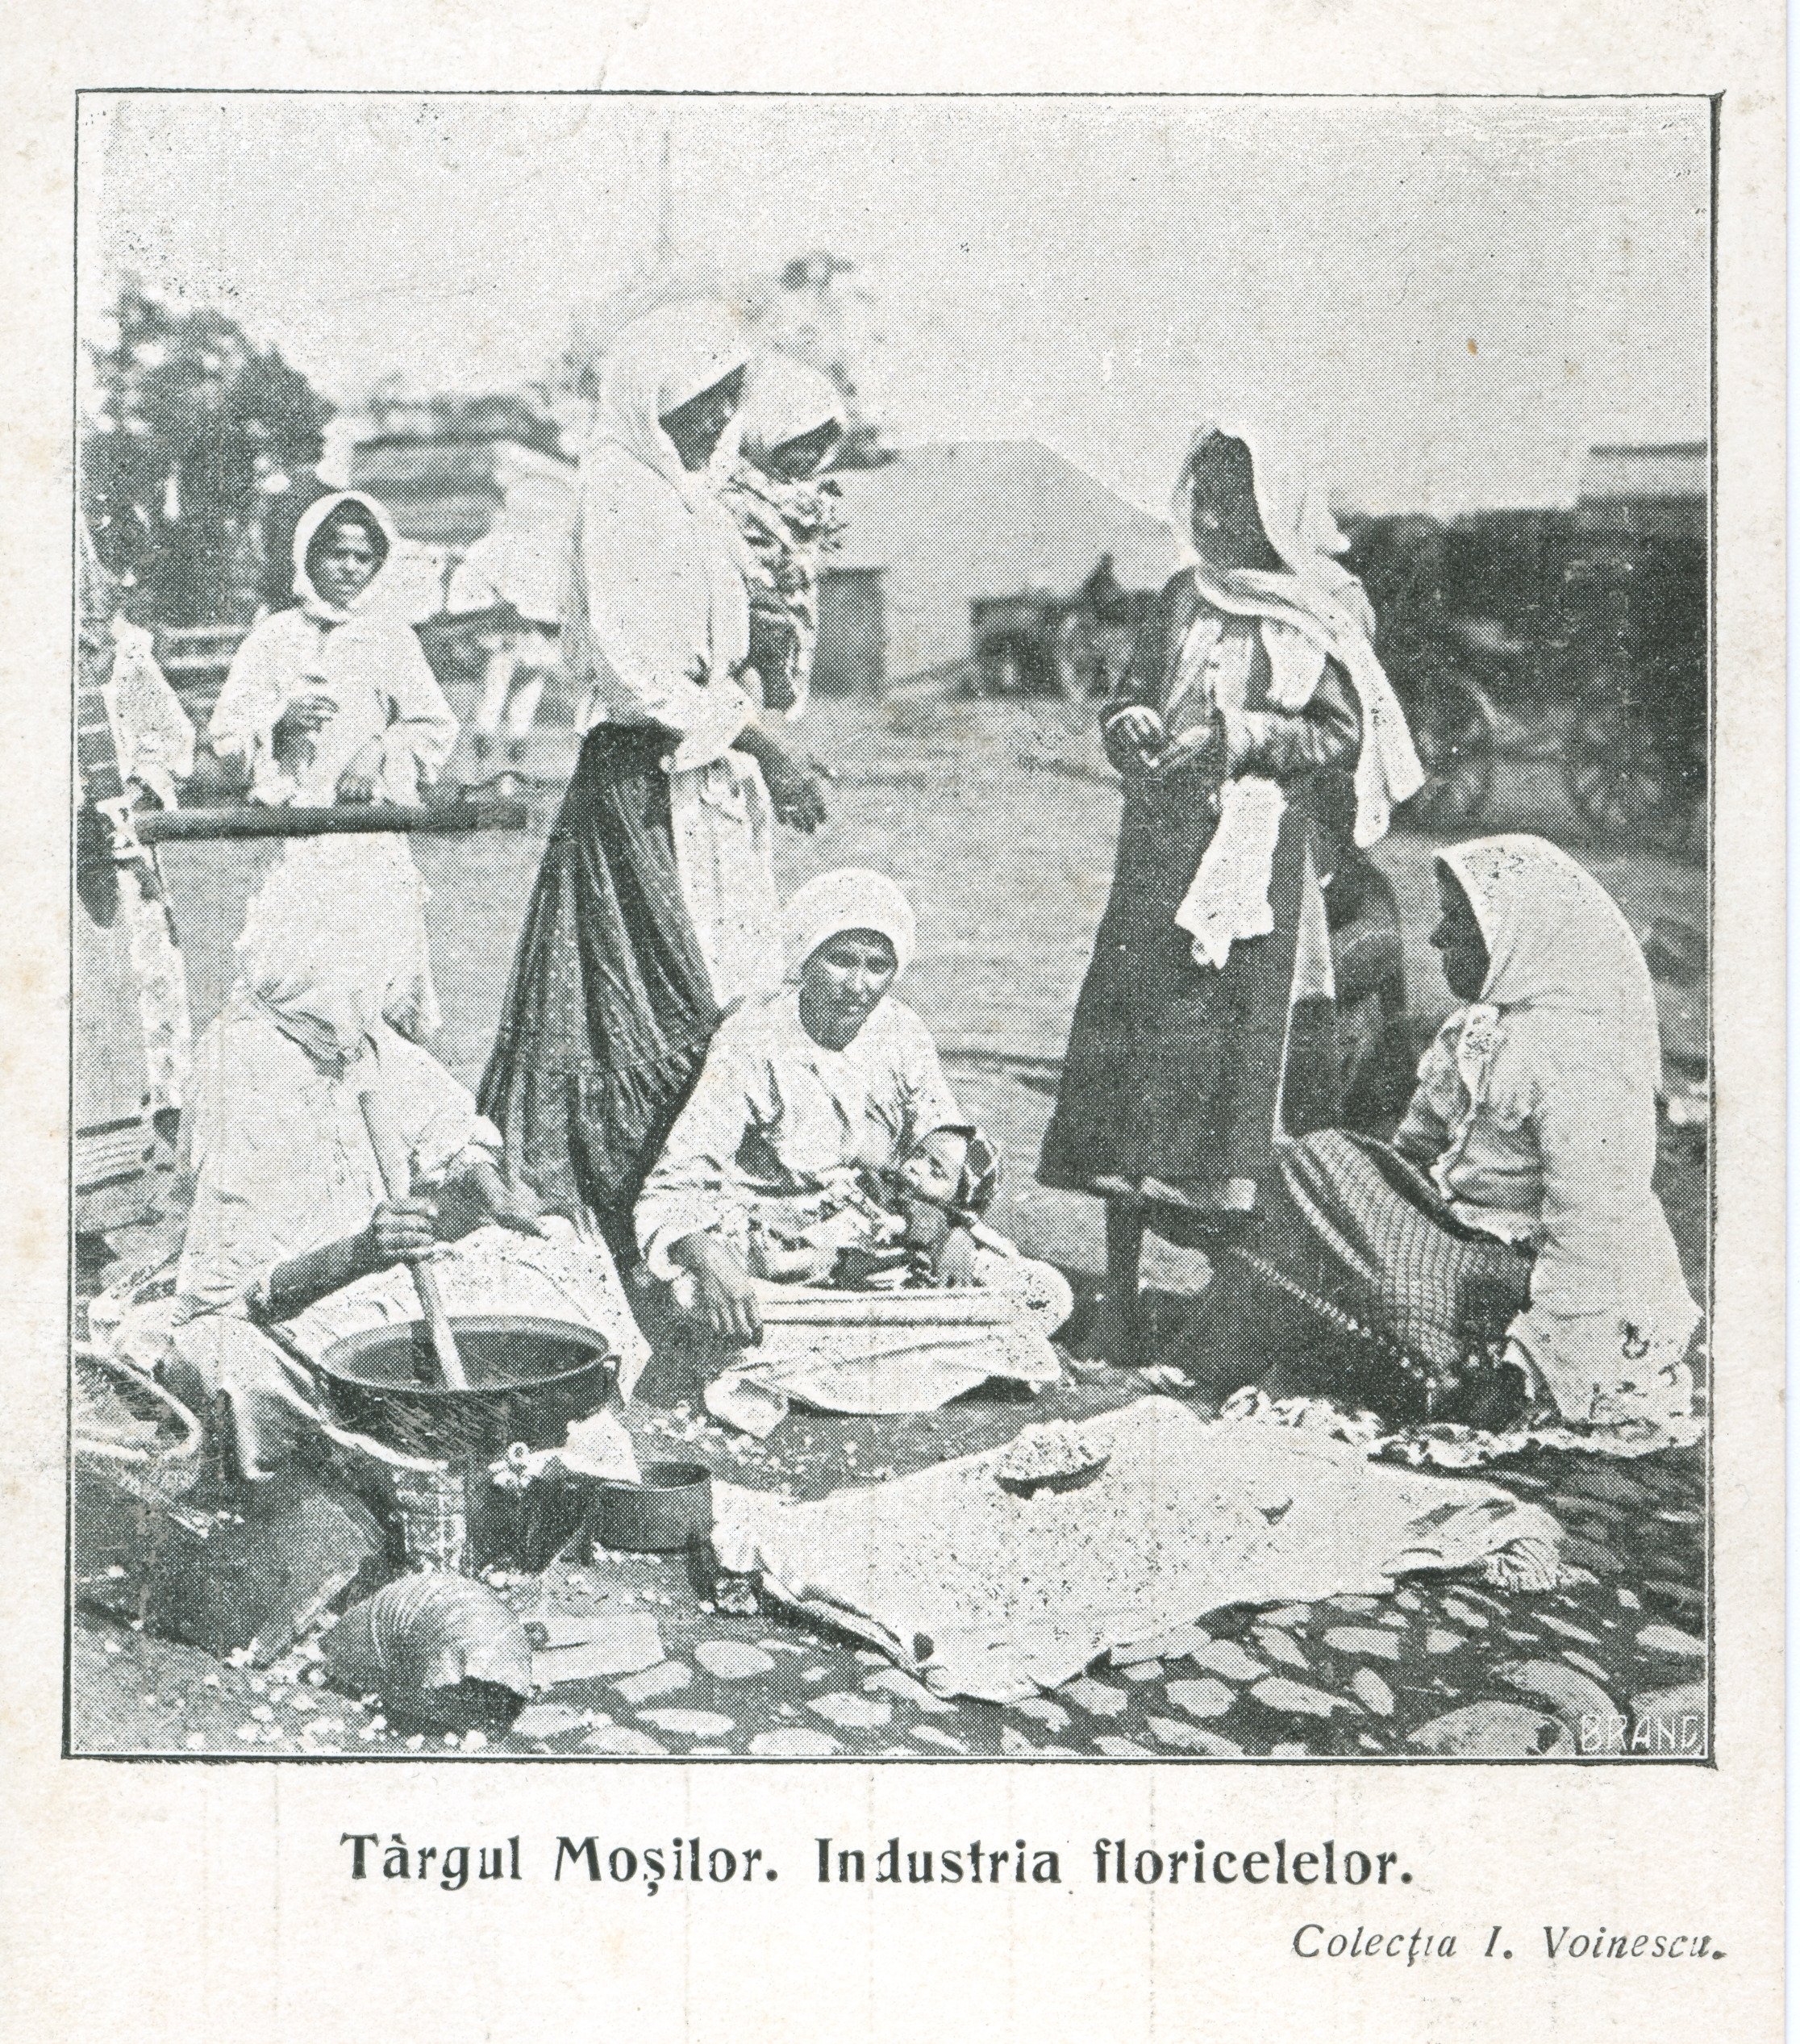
pixel 948 524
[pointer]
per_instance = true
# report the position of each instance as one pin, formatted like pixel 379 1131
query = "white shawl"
pixel 1310 610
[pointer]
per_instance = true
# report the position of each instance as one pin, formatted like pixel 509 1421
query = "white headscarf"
pixel 852 898
pixel 311 520
pixel 1558 945
pixel 788 400
pixel 656 363
pixel 655 366
pixel 331 945
pixel 1311 607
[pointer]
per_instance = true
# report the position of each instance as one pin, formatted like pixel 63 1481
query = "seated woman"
pixel 290 1228
pixel 820 1194
pixel 1507 1253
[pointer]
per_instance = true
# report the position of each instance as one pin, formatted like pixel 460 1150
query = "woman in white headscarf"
pixel 791 420
pixel 1253 685
pixel 822 1147
pixel 1508 1252
pixel 290 1227
pixel 654 906
pixel 333 701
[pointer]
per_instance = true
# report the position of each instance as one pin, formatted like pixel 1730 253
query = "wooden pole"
pixel 257 820
pixel 390 1154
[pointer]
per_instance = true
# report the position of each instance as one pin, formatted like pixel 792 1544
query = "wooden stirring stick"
pixel 390 1154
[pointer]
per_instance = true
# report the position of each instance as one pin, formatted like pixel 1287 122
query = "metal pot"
pixel 529 1380
pixel 668 1510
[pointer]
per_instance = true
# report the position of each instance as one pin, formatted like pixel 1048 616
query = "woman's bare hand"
pixel 793 790
pixel 400 1231
pixel 725 1294
pixel 1133 737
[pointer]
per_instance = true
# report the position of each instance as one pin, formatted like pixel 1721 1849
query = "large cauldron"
pixel 528 1380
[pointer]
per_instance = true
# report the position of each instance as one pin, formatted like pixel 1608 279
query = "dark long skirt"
pixel 1174 1067
pixel 1360 1283
pixel 610 1008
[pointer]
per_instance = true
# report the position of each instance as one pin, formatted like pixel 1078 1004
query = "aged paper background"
pixel 175 1900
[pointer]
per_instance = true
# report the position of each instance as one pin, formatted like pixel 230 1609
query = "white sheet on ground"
pixel 986 1594
pixel 895 1352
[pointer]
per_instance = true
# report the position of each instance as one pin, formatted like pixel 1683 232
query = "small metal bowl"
pixel 669 1510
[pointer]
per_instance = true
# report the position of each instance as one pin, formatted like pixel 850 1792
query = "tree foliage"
pixel 196 444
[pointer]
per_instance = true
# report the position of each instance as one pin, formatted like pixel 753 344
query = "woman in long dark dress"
pixel 1252 682
pixel 654 910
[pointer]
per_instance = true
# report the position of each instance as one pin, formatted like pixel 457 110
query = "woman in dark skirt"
pixel 1253 685
pixel 654 910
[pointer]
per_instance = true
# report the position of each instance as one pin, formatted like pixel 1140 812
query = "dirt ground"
pixel 999 821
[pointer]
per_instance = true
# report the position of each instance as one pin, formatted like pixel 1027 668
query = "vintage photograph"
pixel 891 928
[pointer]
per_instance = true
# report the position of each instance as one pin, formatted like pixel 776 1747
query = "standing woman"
pixel 1253 681
pixel 790 423
pixel 654 909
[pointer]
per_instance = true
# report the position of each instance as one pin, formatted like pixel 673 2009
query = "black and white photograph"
pixel 892 929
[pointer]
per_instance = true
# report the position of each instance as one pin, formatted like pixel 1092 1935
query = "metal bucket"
pixel 669 1510
pixel 529 1380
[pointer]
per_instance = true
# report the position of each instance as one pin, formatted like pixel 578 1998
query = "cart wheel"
pixel 1618 772
pixel 1454 738
pixel 1079 663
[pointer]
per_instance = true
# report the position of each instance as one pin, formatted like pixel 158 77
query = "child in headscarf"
pixel 824 1150
pixel 1509 1251
pixel 654 906
pixel 791 422
pixel 333 701
pixel 1253 685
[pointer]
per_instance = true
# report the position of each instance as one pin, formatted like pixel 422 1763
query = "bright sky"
pixel 1439 303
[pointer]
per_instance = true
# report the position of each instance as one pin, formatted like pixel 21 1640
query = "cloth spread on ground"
pixel 991 1594
pixel 896 1352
